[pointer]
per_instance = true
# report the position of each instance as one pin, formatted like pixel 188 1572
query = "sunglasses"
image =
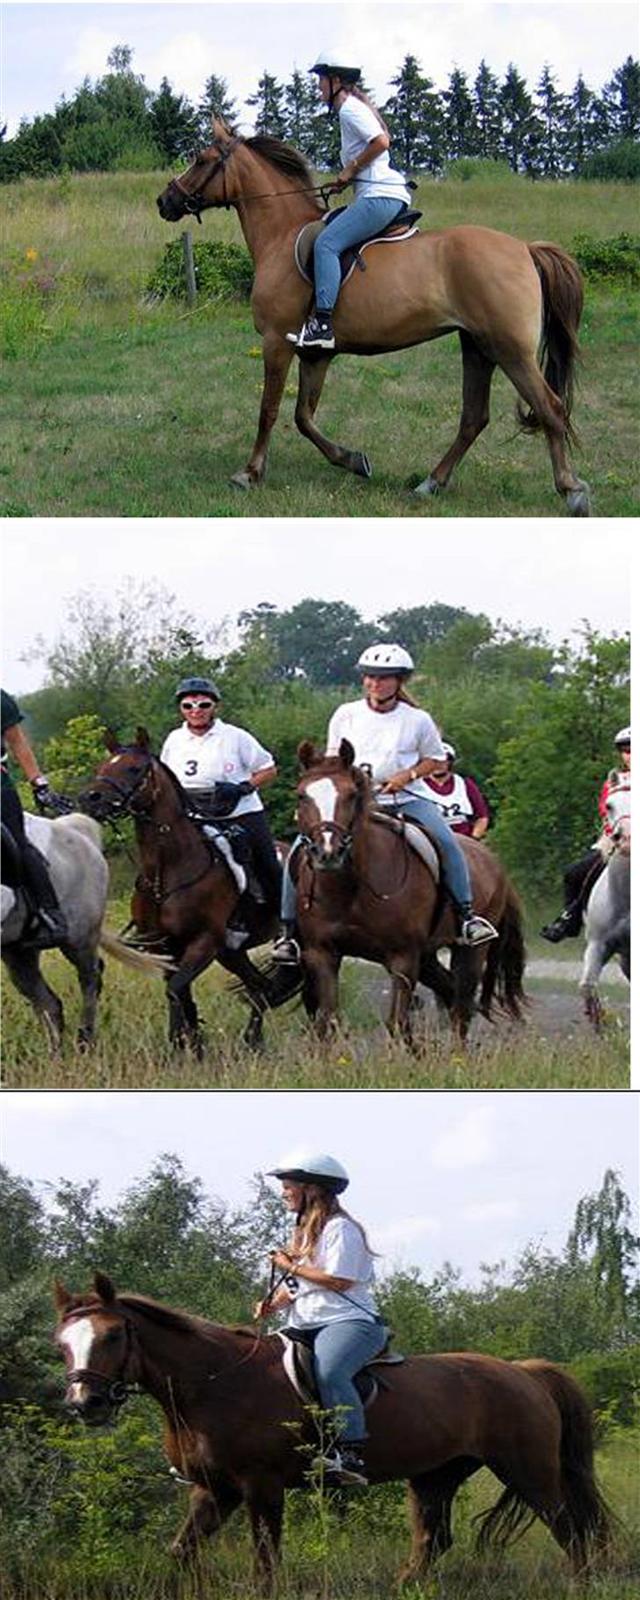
pixel 196 705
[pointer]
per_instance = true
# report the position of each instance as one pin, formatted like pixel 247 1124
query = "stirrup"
pixel 313 335
pixel 476 930
pixel 287 950
pixel 341 1469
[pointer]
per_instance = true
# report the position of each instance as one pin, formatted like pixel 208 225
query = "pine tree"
pixel 621 96
pixel 520 130
pixel 460 122
pixel 488 113
pixel 552 114
pixel 271 116
pixel 174 122
pixel 415 118
pixel 216 102
pixel 299 111
pixel 578 125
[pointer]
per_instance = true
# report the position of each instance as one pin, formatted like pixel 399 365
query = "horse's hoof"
pixel 578 502
pixel 243 480
pixel 362 465
pixel 430 487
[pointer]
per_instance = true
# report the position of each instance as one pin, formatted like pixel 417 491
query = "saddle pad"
pixel 297 1361
pixel 38 831
pixel 305 240
pixel 417 837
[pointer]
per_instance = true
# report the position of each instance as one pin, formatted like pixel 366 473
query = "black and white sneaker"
pixel 316 333
pixel 342 1467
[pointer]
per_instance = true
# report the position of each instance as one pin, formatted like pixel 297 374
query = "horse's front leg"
pixel 322 967
pixel 208 1509
pixel 265 1502
pixel 89 967
pixel 313 371
pixel 184 1025
pixel 591 969
pixel 277 355
pixel 404 976
pixel 24 969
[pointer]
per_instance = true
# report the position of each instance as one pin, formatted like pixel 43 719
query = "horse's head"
pixel 125 783
pixel 618 808
pixel 332 794
pixel 97 1341
pixel 204 184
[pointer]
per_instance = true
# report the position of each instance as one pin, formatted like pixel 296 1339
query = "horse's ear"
pixel 61 1297
pixel 220 131
pixel 142 740
pixel 111 740
pixel 104 1288
pixel 307 754
pixel 346 753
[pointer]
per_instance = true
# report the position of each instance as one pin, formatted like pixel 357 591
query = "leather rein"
pixel 194 203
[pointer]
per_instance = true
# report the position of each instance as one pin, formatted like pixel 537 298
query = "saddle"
pixel 298 1363
pixel 417 836
pixel 403 228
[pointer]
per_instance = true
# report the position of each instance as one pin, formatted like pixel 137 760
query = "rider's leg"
pixel 286 948
pixel 577 878
pixel 267 866
pixel 473 929
pixel 341 1349
pixel 49 926
pixel 364 217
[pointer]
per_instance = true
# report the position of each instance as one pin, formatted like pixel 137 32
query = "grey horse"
pixel 607 920
pixel 80 876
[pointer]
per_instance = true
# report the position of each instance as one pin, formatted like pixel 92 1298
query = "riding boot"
pixel 48 926
pixel 566 926
pixel 473 929
pixel 316 334
pixel 236 931
pixel 286 948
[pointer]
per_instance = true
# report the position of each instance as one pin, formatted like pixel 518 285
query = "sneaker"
pixel 566 926
pixel 342 1467
pixel 287 950
pixel 476 930
pixel 316 333
pixel 47 932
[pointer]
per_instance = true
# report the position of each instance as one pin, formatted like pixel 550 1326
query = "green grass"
pixel 119 408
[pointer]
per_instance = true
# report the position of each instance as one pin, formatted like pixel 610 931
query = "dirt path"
pixel 555 1009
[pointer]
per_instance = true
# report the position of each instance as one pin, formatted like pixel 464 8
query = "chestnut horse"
pixel 363 891
pixel 506 300
pixel 234 1426
pixel 185 895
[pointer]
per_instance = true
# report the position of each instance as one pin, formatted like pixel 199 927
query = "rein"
pixel 194 202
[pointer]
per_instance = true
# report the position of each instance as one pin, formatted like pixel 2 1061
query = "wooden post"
pixel 189 268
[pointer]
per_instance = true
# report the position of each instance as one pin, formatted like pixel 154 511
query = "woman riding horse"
pixel 222 767
pixel 381 198
pixel 327 1290
pixel 48 927
pixel 401 744
pixel 459 799
pixel 581 876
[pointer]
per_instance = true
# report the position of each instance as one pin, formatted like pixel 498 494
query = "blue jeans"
pixel 340 1349
pixel 364 217
pixel 454 864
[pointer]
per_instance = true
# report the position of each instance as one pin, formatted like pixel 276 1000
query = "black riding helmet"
pixel 197 686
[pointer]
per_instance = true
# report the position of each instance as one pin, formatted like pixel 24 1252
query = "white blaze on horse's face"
pixel 324 794
pixel 77 1341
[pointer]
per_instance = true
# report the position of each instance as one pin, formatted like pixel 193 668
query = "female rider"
pixel 327 1291
pixel 580 877
pixel 48 927
pixel 401 744
pixel 459 800
pixel 222 768
pixel 381 193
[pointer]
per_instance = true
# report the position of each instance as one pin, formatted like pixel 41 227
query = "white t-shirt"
pixel 341 1250
pixel 224 754
pixel 388 742
pixel 358 126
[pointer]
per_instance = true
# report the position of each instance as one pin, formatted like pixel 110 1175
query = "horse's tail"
pixel 583 1506
pixel 140 960
pixel 505 964
pixel 562 300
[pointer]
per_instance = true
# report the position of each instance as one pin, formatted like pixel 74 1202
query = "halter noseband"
pixel 323 862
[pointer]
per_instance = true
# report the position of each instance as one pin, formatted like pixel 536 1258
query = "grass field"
pixel 553 1048
pixel 115 407
pixel 355 1556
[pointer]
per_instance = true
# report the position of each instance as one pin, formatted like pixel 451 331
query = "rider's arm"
pixel 325 1280
pixel 263 775
pixel 422 769
pixel 21 751
pixel 375 147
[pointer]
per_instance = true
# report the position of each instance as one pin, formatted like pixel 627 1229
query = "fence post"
pixel 189 268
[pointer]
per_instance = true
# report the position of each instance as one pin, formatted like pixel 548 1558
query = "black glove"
pixel 47 799
pixel 225 798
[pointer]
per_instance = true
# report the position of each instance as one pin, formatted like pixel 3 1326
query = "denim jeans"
pixel 340 1349
pixel 364 217
pixel 455 869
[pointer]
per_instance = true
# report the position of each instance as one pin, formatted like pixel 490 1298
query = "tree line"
pixel 532 722
pixel 118 122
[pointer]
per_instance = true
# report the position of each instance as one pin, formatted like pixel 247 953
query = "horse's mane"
pixel 281 156
pixel 179 1321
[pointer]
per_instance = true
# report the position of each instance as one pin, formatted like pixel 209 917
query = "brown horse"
pixel 506 299
pixel 362 891
pixel 229 1410
pixel 185 895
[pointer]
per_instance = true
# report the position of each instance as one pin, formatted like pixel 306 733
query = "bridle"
pixel 121 804
pixel 194 203
pixel 116 1391
pixel 320 862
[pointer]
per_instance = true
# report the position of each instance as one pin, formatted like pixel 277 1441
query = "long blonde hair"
pixel 360 95
pixel 318 1207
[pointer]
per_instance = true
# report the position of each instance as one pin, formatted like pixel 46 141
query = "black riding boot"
pixel 566 926
pixel 48 927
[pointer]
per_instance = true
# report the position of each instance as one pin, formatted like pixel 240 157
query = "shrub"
pixel 620 162
pixel 478 167
pixel 612 1383
pixel 618 257
pixel 223 271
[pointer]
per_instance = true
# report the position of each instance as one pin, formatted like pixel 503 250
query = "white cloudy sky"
pixel 50 48
pixel 547 574
pixel 468 1178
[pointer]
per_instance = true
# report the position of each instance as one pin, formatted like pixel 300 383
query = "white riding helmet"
pixel 449 749
pixel 385 661
pixel 306 1166
pixel 623 737
pixel 326 65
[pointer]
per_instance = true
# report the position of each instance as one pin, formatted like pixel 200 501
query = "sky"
pixel 50 48
pixel 539 575
pixel 468 1178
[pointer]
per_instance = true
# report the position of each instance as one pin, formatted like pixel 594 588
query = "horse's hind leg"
pixel 24 970
pixel 266 1506
pixel 430 1500
pixel 313 371
pixel 477 372
pixel 549 413
pixel 89 967
pixel 208 1509
pixel 277 360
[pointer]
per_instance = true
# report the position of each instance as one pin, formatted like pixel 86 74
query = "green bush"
pixel 618 257
pixel 612 1383
pixel 619 163
pixel 478 167
pixel 223 272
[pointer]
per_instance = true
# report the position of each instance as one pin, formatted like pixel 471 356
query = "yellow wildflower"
pixel 31 255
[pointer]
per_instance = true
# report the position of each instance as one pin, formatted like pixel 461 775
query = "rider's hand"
pixel 260 1310
pixel 282 1259
pixel 46 797
pixel 342 181
pixel 394 784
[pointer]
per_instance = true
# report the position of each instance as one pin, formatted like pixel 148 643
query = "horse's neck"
pixel 279 205
pixel 177 1365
